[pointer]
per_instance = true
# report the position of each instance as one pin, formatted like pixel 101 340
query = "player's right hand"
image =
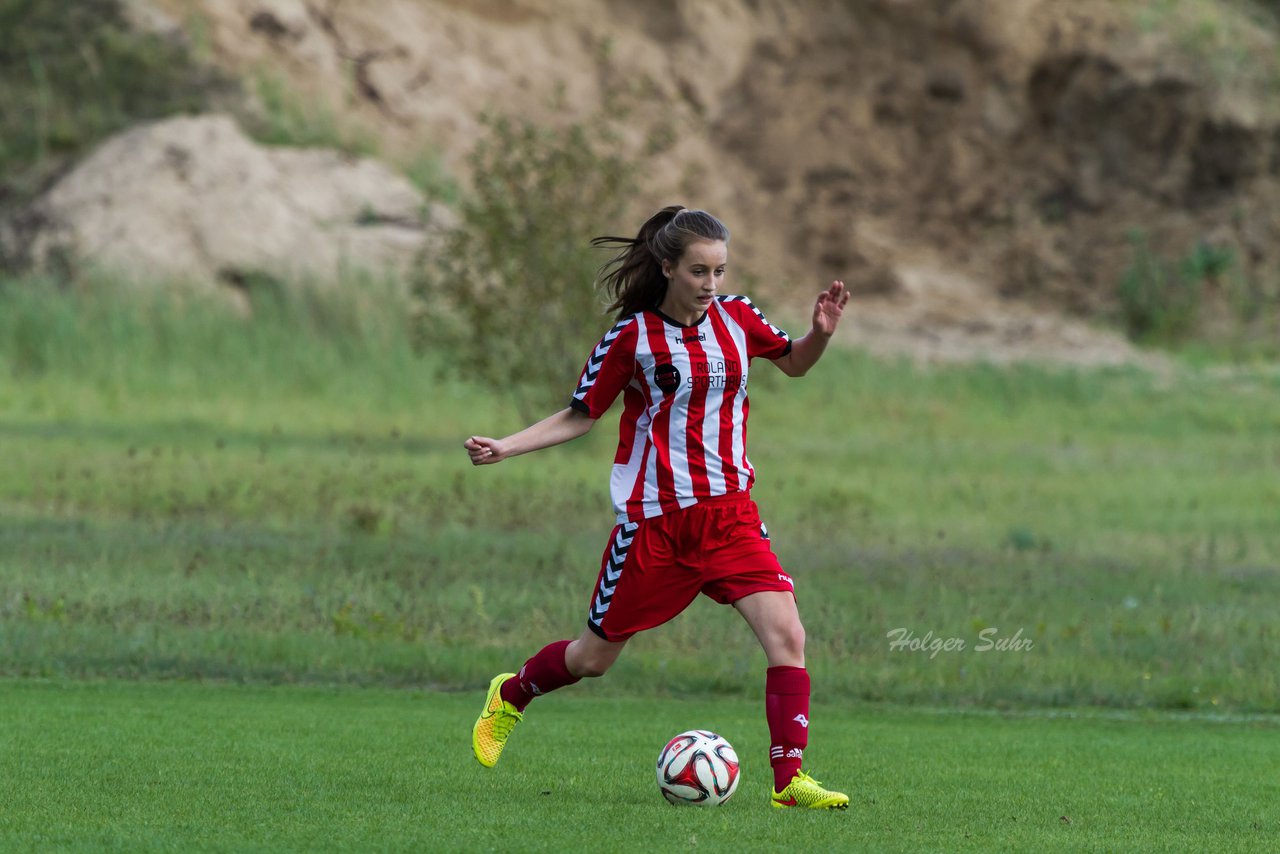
pixel 484 450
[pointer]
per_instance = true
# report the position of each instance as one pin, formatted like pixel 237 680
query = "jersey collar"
pixel 673 322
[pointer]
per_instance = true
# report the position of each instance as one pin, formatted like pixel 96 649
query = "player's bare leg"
pixel 773 616
pixel 591 655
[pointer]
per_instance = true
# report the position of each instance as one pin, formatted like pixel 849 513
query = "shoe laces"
pixel 802 777
pixel 504 721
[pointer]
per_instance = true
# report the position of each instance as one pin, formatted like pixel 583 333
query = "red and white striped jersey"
pixel 683 433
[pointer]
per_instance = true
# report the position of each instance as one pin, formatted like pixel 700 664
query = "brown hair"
pixel 633 277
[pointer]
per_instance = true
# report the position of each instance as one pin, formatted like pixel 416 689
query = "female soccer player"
pixel 681 479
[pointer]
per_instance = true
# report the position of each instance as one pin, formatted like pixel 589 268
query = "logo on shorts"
pixel 786 578
pixel 666 377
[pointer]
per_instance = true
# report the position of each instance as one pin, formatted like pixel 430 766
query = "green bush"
pixel 512 299
pixel 71 73
pixel 1161 301
pixel 1205 303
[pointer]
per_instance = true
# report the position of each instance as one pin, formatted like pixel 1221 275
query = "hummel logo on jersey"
pixel 802 720
pixel 688 337
pixel 786 578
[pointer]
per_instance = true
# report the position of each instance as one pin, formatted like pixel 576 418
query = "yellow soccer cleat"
pixel 495 723
pixel 805 792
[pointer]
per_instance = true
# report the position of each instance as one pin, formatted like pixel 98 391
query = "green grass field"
pixel 205 512
pixel 183 767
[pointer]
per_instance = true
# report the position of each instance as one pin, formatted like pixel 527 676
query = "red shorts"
pixel 652 570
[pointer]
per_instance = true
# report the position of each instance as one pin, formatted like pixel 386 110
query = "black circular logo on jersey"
pixel 667 378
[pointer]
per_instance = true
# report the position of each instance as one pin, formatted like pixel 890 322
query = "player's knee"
pixel 793 639
pixel 585 662
pixel 591 666
pixel 788 642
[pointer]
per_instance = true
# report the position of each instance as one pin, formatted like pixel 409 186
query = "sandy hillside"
pixel 972 167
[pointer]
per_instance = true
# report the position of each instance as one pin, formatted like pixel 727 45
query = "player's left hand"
pixel 829 308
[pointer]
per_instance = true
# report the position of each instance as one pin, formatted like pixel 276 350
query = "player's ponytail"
pixel 633 276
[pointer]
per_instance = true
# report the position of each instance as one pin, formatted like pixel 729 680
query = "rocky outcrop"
pixel 194 199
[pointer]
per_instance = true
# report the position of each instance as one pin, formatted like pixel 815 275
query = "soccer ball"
pixel 697 767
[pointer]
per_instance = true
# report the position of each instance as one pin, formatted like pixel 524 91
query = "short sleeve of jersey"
pixel 608 371
pixel 764 340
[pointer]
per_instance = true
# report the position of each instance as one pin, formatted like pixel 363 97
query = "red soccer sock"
pixel 786 706
pixel 546 671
